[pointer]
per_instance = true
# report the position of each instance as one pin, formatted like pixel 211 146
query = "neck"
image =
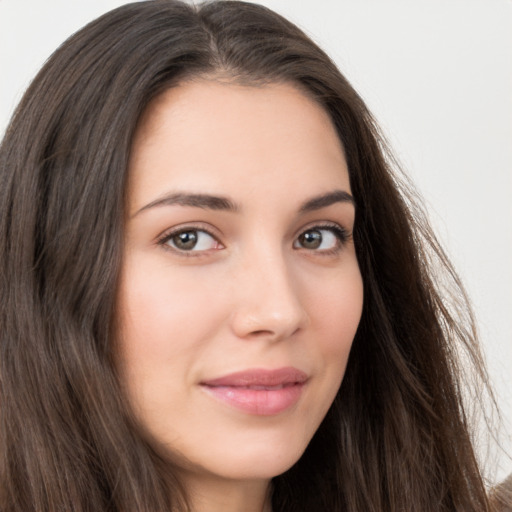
pixel 214 495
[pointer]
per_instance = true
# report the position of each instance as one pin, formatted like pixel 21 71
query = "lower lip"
pixel 262 402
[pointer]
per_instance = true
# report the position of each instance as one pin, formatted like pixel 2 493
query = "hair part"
pixel 397 436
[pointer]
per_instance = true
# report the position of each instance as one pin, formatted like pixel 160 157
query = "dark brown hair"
pixel 501 496
pixel 397 436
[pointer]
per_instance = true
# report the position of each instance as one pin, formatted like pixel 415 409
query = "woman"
pixel 200 223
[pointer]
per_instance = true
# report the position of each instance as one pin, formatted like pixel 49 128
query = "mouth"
pixel 259 391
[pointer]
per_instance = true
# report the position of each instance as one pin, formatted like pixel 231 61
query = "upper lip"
pixel 259 377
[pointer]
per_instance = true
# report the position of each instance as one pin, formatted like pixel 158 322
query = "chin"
pixel 263 466
pixel 250 457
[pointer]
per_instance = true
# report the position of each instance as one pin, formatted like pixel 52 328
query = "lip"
pixel 259 391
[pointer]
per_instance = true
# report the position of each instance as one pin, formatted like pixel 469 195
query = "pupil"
pixel 311 239
pixel 185 240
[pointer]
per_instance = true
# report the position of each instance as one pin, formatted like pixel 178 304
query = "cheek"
pixel 337 310
pixel 161 337
pixel 165 325
pixel 157 304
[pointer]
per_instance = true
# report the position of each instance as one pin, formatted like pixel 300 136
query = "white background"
pixel 438 76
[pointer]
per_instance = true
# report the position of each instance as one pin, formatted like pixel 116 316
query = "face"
pixel 240 292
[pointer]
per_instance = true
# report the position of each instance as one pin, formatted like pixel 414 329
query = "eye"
pixel 190 240
pixel 322 239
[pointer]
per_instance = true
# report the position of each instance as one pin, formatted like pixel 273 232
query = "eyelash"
pixel 342 235
pixel 167 236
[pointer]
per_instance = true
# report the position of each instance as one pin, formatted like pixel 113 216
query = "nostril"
pixel 270 334
pixel 261 332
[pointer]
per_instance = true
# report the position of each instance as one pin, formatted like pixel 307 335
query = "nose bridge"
pixel 267 299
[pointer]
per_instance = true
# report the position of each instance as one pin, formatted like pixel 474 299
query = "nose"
pixel 267 300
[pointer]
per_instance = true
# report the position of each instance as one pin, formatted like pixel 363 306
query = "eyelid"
pixel 162 239
pixel 325 224
pixel 342 233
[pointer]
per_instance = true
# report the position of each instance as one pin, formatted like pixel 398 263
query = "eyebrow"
pixel 325 200
pixel 205 201
pixel 211 202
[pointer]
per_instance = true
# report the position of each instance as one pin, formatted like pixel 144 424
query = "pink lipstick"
pixel 259 391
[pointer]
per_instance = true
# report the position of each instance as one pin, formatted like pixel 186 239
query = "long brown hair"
pixel 397 436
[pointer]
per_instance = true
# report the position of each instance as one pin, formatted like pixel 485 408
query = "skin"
pixel 254 292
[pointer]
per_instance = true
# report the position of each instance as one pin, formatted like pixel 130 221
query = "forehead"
pixel 217 134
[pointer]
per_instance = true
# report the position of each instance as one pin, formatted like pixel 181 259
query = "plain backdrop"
pixel 437 74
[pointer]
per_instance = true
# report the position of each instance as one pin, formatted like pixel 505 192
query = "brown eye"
pixel 311 239
pixel 185 241
pixel 191 240
pixel 321 239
